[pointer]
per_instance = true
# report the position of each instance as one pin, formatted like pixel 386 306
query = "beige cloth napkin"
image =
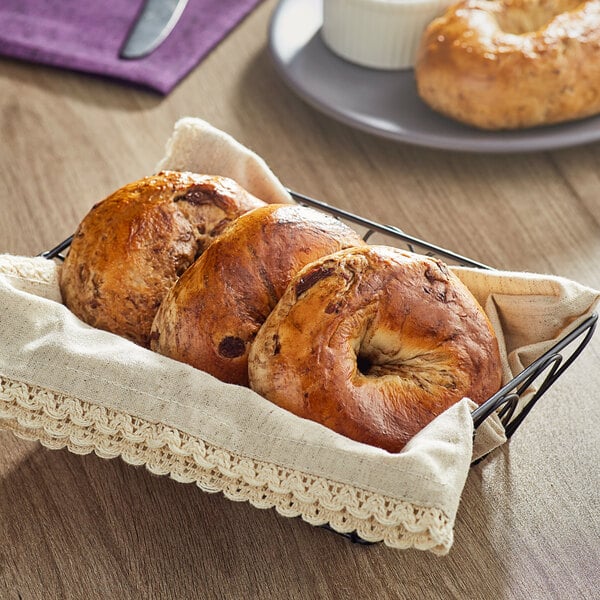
pixel 69 385
pixel 197 146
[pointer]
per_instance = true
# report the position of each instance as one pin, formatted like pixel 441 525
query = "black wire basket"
pixel 539 376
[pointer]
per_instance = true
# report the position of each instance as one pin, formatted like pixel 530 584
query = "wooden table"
pixel 82 527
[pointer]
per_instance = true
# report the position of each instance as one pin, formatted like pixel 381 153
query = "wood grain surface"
pixel 83 527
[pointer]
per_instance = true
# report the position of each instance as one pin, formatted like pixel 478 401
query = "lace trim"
pixel 59 421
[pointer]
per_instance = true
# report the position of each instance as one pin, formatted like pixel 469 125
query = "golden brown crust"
pixel 507 64
pixel 130 248
pixel 212 314
pixel 374 343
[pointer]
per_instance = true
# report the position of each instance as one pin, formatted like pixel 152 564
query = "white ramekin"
pixel 383 34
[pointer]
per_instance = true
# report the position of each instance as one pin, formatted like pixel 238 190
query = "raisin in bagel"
pixel 374 343
pixel 130 248
pixel 212 314
pixel 507 64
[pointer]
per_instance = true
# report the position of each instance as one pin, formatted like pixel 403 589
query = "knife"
pixel 154 24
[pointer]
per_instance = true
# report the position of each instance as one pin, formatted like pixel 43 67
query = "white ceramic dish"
pixel 386 103
pixel 384 34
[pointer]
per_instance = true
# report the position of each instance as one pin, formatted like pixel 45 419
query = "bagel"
pixel 508 64
pixel 374 343
pixel 213 312
pixel 130 248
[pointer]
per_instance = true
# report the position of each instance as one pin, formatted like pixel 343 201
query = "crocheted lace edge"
pixel 60 421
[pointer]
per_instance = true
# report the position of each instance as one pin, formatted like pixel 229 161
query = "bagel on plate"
pixel 510 64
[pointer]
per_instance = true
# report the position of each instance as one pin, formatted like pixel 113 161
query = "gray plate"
pixel 385 103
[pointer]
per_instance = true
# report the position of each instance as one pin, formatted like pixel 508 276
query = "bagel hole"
pixel 364 364
pixel 368 367
pixel 529 18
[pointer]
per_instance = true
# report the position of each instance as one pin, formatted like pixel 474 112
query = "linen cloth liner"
pixel 87 36
pixel 69 385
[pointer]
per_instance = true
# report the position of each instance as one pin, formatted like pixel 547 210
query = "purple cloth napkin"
pixel 87 35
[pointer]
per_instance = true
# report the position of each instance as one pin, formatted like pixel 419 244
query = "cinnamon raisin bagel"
pixel 507 64
pixel 213 312
pixel 130 248
pixel 374 343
